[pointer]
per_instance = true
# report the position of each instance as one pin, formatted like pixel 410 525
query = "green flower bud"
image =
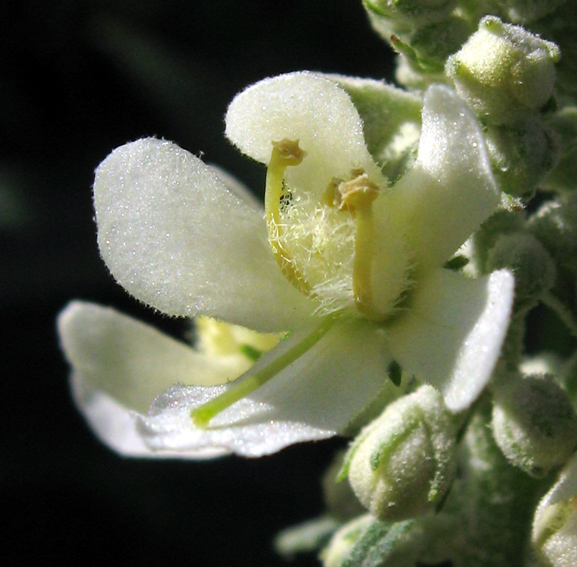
pixel 554 536
pixel 564 175
pixel 534 423
pixel 501 222
pixel 521 154
pixel 525 11
pixel 344 540
pixel 340 500
pixel 531 264
pixel 504 72
pixel 555 225
pixel 401 465
pixel 407 14
pixel 434 43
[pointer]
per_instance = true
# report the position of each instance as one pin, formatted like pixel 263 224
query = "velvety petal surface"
pixel 450 190
pixel 452 333
pixel 315 397
pixel 308 108
pixel 176 238
pixel 119 365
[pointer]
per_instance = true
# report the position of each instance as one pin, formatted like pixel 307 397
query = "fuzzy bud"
pixel 534 423
pixel 414 13
pixel 344 539
pixel 563 177
pixel 531 264
pixel 504 72
pixel 521 153
pixel 401 465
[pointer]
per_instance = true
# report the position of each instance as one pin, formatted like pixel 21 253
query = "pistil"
pixel 202 415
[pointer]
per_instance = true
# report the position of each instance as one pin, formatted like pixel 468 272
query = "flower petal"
pixel 120 365
pixel 176 238
pixel 308 108
pixel 450 190
pixel 315 397
pixel 451 336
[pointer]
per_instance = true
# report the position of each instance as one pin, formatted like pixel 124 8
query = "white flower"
pixel 352 268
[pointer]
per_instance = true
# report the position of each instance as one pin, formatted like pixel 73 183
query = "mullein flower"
pixel 348 269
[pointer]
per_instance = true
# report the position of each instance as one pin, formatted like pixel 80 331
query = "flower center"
pixel 325 249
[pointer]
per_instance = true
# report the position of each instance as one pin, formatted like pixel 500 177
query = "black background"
pixel 78 78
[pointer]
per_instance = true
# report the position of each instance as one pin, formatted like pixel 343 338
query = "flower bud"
pixel 410 13
pixel 401 465
pixel 521 154
pixel 534 423
pixel 525 11
pixel 554 534
pixel 563 177
pixel 531 264
pixel 555 225
pixel 344 540
pixel 504 72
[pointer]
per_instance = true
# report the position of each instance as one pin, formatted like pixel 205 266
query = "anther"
pixel 284 154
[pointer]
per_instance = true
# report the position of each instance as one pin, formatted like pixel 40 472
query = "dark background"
pixel 78 78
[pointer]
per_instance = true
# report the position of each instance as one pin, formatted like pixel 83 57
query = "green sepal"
pixel 379 545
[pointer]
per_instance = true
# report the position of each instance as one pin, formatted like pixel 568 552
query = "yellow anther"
pixel 288 152
pixel 358 193
pixel 284 154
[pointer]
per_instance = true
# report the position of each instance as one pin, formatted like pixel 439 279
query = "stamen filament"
pixel 202 415
pixel 358 195
pixel 285 153
pixel 363 261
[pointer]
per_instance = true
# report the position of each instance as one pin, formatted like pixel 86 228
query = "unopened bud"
pixel 534 423
pixel 410 13
pixel 563 177
pixel 504 72
pixel 554 536
pixel 521 154
pixel 555 225
pixel 401 465
pixel 342 542
pixel 531 264
pixel 525 11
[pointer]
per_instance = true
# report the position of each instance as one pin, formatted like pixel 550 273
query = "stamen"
pixel 202 415
pixel 284 154
pixel 357 195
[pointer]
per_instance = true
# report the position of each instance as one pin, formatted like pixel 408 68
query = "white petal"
pixel 315 397
pixel 176 238
pixel 450 190
pixel 310 109
pixel 120 365
pixel 452 333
